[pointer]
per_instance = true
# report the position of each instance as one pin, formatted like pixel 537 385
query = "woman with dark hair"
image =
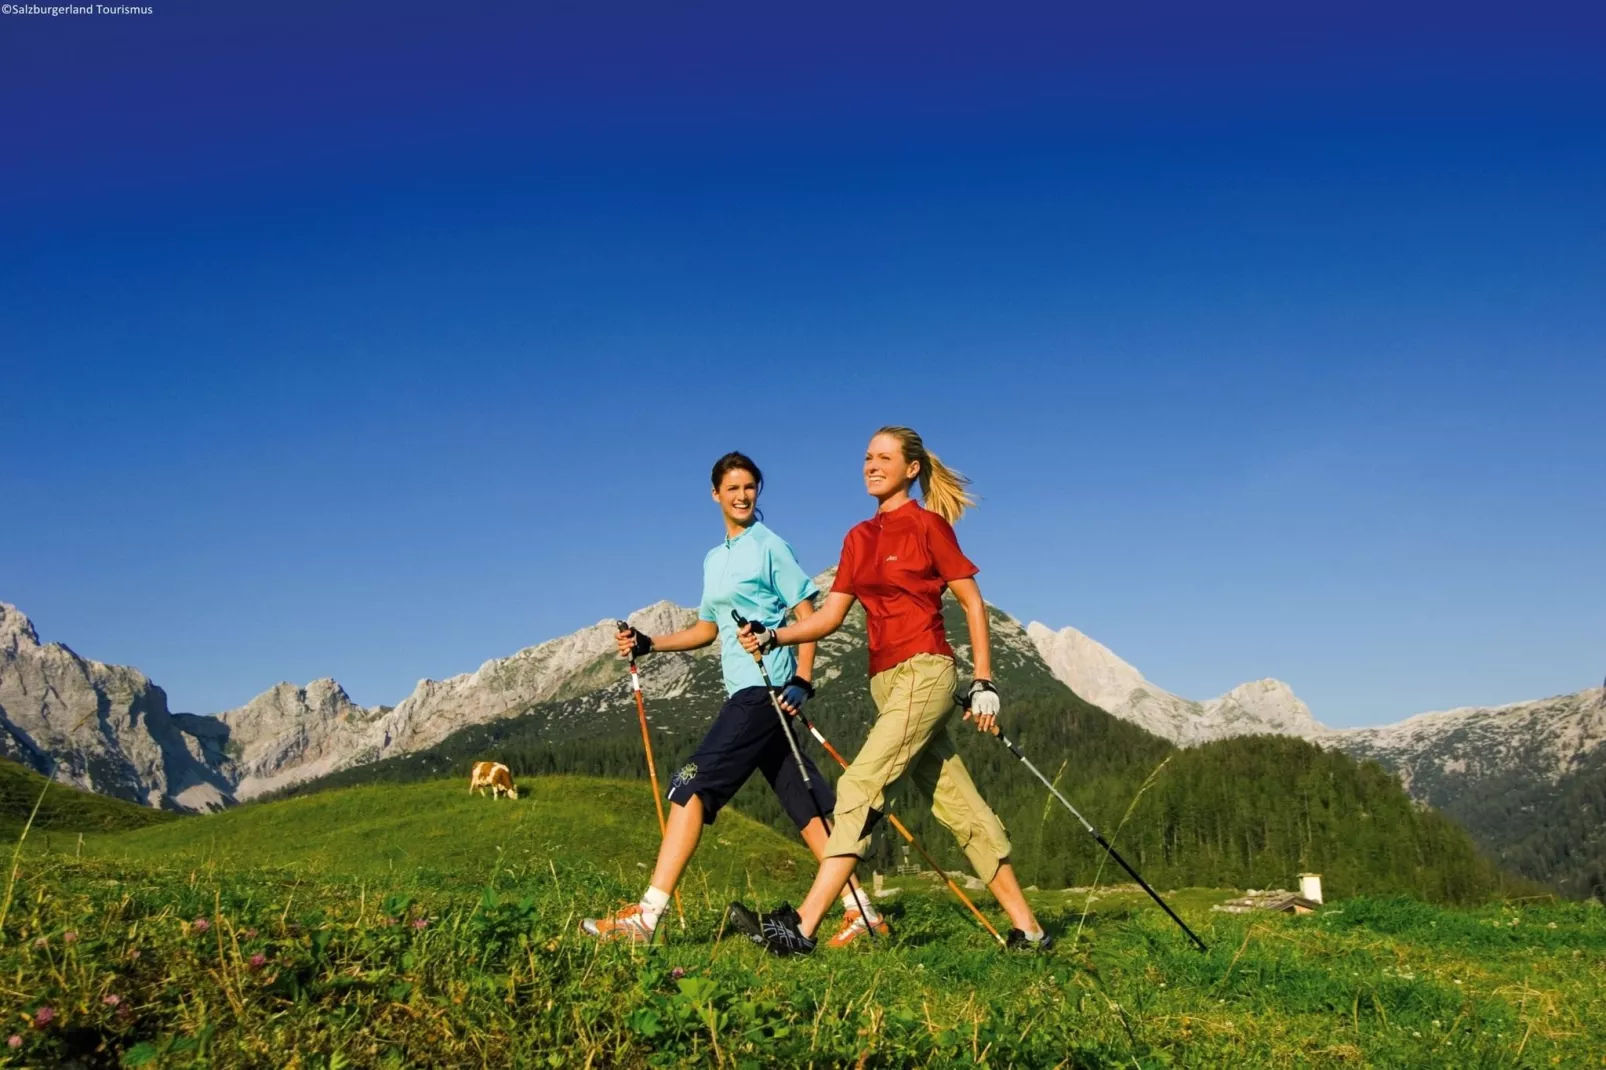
pixel 898 563
pixel 755 573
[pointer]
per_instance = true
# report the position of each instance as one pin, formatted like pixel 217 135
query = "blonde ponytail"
pixel 942 490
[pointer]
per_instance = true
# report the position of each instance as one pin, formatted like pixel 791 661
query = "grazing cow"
pixel 493 775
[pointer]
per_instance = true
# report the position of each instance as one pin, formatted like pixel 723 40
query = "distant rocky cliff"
pixel 1093 671
pixel 1437 754
pixel 107 728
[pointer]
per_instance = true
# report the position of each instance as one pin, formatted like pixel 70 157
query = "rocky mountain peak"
pixel 1096 673
pixel 16 630
pixel 1269 706
pixel 1087 666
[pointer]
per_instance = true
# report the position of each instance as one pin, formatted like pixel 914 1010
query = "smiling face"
pixel 886 472
pixel 737 495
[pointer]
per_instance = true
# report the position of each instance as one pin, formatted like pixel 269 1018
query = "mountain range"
pixel 108 728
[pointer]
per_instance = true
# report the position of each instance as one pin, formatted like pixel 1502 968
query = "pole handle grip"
pixel 626 626
pixel 741 623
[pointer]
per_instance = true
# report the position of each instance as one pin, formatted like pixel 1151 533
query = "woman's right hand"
pixel 756 639
pixel 631 643
pixel 981 706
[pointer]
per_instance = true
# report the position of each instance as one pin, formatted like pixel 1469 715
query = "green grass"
pixel 64 809
pixel 415 926
pixel 437 834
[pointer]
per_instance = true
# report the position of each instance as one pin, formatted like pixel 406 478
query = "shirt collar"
pixel 902 510
pixel 731 540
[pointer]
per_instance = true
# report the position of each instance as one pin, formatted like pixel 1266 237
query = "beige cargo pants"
pixel 910 738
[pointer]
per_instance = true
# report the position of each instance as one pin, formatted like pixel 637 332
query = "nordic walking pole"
pixel 908 836
pixel 1113 853
pixel 652 770
pixel 803 771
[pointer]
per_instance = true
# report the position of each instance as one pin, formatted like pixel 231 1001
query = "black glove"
pixel 796 692
pixel 641 642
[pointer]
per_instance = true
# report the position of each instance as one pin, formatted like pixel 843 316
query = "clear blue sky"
pixel 377 341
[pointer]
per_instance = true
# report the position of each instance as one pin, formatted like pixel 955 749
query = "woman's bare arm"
pixel 969 596
pixel 981 655
pixel 805 651
pixel 819 624
pixel 699 635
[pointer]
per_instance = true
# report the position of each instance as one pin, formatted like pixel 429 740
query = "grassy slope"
pixel 65 809
pixel 1247 811
pixel 439 833
pixel 477 978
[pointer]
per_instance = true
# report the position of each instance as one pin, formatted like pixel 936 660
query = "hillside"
pixel 1528 779
pixel 1247 812
pixel 437 832
pixel 564 706
pixel 64 808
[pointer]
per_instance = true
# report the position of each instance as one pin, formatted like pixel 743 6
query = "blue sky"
pixel 377 341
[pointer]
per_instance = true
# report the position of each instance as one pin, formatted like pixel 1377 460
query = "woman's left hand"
pixel 796 692
pixel 982 705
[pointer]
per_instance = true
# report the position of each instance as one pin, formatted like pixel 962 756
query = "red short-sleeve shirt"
pixel 898 564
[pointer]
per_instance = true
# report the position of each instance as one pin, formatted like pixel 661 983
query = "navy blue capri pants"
pixel 746 736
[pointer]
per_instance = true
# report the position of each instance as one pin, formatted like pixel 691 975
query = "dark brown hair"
pixel 732 461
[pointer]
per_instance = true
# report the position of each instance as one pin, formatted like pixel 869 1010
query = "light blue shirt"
pixel 756 574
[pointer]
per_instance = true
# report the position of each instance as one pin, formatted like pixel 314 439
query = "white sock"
pixel 653 904
pixel 851 902
pixel 1034 935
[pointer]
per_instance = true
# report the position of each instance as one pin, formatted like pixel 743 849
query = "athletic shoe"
pixel 744 921
pixel 853 927
pixel 1018 942
pixel 627 924
pixel 783 932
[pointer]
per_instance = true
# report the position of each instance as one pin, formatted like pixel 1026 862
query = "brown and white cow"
pixel 493 775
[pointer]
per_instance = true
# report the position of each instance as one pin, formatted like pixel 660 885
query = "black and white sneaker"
pixel 783 933
pixel 1019 941
pixel 746 922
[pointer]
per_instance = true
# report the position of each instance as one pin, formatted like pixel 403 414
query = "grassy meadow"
pixel 415 925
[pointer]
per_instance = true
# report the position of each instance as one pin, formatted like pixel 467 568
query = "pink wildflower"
pixel 111 999
pixel 201 925
pixel 43 1017
pixel 677 973
pixel 70 937
pixel 13 1041
pixel 258 960
pixel 420 923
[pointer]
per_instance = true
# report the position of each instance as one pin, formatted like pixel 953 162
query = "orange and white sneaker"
pixel 627 924
pixel 854 927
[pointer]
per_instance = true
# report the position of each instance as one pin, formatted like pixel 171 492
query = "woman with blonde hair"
pixel 897 564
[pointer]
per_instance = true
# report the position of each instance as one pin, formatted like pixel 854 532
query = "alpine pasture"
pixel 415 925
